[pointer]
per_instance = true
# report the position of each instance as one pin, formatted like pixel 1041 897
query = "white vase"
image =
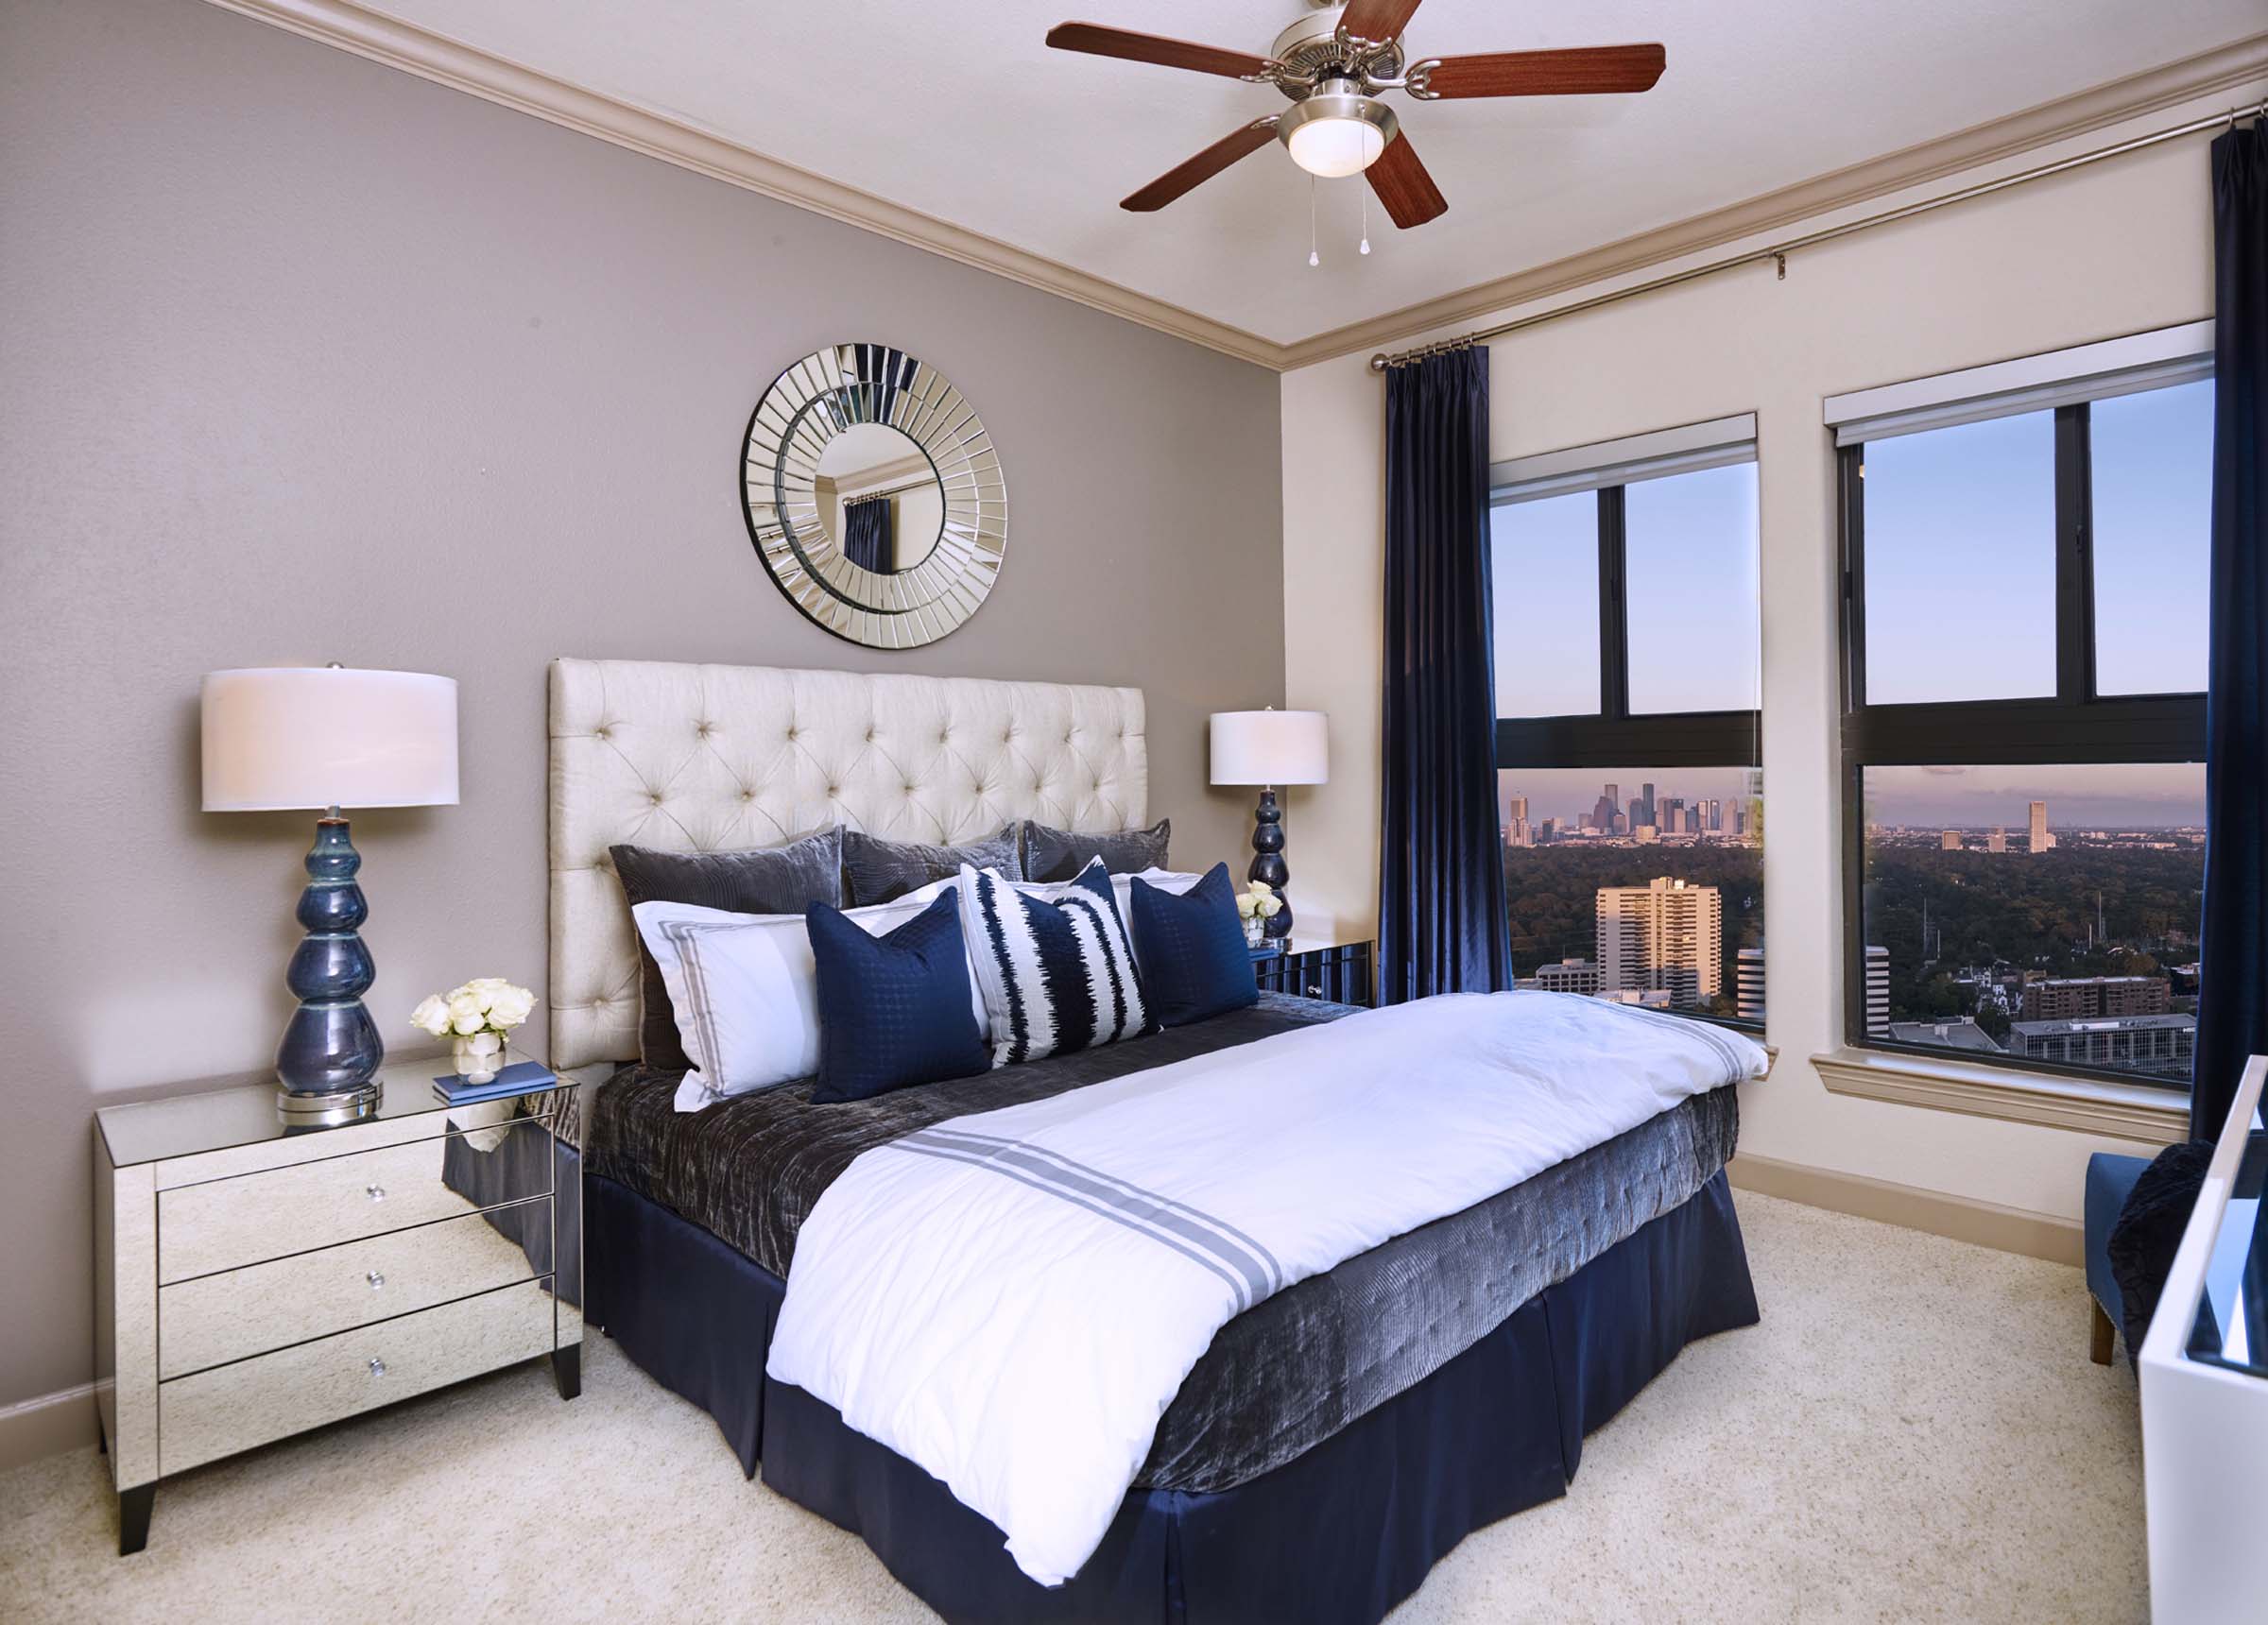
pixel 479 1057
pixel 1256 932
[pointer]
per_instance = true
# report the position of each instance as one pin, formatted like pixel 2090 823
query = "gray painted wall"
pixel 305 359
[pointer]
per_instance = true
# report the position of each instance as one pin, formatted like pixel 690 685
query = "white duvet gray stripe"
pixel 1249 1268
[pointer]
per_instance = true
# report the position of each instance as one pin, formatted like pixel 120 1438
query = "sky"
pixel 1959 553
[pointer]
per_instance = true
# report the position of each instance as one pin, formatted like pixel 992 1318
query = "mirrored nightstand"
pixel 1319 967
pixel 254 1280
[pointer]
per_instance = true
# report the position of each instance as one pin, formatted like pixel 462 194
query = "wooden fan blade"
pixel 1403 186
pixel 1378 19
pixel 1195 171
pixel 1097 41
pixel 1588 71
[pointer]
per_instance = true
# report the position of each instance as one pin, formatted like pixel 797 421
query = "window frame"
pixel 2074 727
pixel 1613 737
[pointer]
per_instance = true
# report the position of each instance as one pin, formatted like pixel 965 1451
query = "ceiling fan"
pixel 1335 63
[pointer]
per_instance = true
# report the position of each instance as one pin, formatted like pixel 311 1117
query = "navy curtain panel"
pixel 2232 996
pixel 868 534
pixel 1441 925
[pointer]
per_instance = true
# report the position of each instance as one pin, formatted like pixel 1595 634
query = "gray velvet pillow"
pixel 772 880
pixel 876 870
pixel 1060 854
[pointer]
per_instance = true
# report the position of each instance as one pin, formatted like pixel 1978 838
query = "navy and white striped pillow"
pixel 1055 976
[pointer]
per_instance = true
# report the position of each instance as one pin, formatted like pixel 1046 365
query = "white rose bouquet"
pixel 476 1018
pixel 1254 905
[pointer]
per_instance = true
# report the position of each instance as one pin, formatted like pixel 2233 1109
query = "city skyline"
pixel 2138 797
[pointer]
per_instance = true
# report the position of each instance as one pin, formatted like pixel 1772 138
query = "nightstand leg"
pixel 567 1370
pixel 134 1517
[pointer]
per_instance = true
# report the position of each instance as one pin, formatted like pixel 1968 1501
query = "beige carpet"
pixel 1913 1432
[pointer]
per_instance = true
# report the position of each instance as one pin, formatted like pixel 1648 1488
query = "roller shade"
pixel 2127 366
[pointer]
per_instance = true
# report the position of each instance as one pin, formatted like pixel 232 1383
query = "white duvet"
pixel 1012 1299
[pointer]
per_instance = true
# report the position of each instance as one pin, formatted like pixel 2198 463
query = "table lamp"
pixel 1267 748
pixel 326 738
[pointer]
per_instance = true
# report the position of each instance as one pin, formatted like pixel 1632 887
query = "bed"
pixel 1333 1440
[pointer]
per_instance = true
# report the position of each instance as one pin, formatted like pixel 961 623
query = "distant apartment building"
pixel 1567 976
pixel 2041 840
pixel 2083 998
pixel 2122 1043
pixel 1878 992
pixel 1666 936
pixel 1748 984
pixel 1950 841
pixel 1997 840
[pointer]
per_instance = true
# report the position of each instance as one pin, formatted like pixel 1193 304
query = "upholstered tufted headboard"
pixel 715 758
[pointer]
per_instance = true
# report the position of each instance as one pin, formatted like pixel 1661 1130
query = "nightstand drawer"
pixel 225 1223
pixel 232 1407
pixel 218 1318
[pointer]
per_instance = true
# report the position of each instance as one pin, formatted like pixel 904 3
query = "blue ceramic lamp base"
pixel 1267 842
pixel 331 1049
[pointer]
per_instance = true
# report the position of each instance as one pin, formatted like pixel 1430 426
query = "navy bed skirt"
pixel 1337 1536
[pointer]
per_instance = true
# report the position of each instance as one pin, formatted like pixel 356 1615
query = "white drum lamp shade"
pixel 328 736
pixel 1270 747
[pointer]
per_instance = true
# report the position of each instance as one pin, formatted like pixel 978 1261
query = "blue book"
pixel 520 1078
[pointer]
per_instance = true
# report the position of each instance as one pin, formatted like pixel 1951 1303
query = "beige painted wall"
pixel 305 359
pixel 2112 249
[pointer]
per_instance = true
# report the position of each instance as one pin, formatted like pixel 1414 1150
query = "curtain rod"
pixel 1779 252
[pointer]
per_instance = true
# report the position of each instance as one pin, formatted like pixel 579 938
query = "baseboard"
pixel 48 1425
pixel 1962 1218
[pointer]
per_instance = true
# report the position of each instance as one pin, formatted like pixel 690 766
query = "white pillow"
pixel 1122 887
pixel 745 990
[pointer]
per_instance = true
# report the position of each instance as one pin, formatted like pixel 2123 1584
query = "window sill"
pixel 2122 1111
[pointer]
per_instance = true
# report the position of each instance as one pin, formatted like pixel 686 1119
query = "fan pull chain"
pixel 1312 257
pixel 1365 190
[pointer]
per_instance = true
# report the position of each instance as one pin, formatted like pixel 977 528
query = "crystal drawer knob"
pixel 376 1278
pixel 377 1367
pixel 375 1192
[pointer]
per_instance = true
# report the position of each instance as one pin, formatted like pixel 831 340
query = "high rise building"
pixel 1997 840
pixel 1748 984
pixel 1637 813
pixel 1950 841
pixel 1878 992
pixel 2041 840
pixel 1645 793
pixel 1713 817
pixel 1603 811
pixel 1665 937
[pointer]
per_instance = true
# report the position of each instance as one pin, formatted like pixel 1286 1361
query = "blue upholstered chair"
pixel 2109 1181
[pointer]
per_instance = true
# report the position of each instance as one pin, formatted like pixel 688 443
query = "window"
pixel 1625 581
pixel 2024 614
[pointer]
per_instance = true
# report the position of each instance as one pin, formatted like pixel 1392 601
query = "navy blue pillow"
pixel 1191 951
pixel 894 1010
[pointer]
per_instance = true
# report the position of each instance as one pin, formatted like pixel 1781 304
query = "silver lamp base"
pixel 326 1110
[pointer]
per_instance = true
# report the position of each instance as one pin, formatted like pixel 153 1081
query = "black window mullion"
pixel 1850 464
pixel 1614 617
pixel 2075 561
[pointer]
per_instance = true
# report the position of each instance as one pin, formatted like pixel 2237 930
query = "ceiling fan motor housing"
pixel 1311 46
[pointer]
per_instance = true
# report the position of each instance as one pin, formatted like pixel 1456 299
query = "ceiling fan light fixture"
pixel 1335 134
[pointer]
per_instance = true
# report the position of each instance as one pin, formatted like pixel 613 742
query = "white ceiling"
pixel 959 111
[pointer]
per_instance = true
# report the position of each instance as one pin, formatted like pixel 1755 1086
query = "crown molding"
pixel 452 63
pixel 434 57
pixel 2244 62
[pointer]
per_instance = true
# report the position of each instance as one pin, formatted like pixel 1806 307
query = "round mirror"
pixel 873 496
